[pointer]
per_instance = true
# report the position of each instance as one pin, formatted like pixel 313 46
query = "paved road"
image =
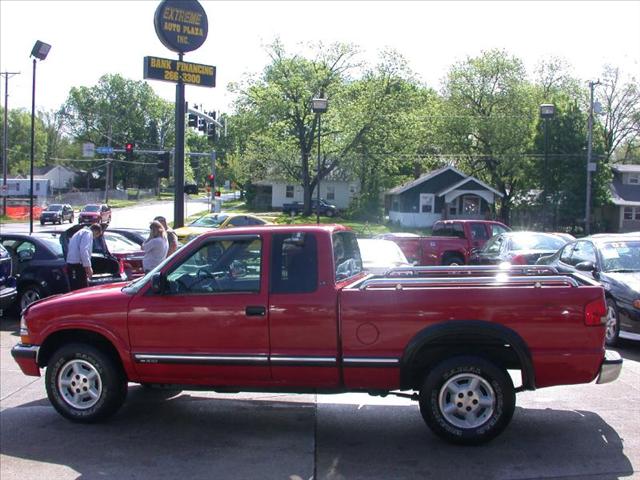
pixel 574 432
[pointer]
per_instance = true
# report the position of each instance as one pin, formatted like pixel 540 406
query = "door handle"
pixel 255 311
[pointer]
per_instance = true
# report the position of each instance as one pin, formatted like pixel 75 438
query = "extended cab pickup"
pixel 451 241
pixel 289 309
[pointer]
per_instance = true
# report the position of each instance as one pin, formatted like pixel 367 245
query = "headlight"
pixel 636 303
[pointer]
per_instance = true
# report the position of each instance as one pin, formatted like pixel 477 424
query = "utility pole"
pixel 5 140
pixel 107 177
pixel 587 208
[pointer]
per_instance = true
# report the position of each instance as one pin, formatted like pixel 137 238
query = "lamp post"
pixel 547 111
pixel 40 51
pixel 587 207
pixel 319 105
pixel 5 140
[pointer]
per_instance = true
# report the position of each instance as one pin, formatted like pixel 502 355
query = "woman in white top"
pixel 155 247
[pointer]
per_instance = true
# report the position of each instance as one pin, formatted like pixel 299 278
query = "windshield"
pixel 91 208
pixel 211 221
pixel 117 243
pixel 621 256
pixel 533 241
pixel 54 208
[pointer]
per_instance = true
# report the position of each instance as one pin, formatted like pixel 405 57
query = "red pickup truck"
pixel 289 309
pixel 450 243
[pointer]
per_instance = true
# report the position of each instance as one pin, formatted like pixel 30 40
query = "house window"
pixel 331 192
pixel 453 207
pixel 37 187
pixel 395 205
pixel 628 213
pixel 17 187
pixel 352 188
pixel 634 178
pixel 289 192
pixel 471 205
pixel 427 202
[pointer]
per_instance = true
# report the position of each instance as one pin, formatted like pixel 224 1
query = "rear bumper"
pixel 7 296
pixel 26 357
pixel 610 368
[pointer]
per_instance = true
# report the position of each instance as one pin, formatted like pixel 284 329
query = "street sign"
pixel 104 150
pixel 88 150
pixel 168 70
pixel 181 25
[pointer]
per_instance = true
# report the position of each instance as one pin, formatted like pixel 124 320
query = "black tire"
pixel 41 222
pixel 71 219
pixel 99 372
pixel 452 260
pixel 329 213
pixel 29 294
pixel 612 332
pixel 494 387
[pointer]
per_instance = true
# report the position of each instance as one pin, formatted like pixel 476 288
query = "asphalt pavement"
pixel 572 432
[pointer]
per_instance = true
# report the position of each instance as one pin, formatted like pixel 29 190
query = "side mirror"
pixel 586 267
pixel 159 283
pixel 25 256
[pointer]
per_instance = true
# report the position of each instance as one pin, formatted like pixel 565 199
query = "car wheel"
pixel 84 384
pixel 329 213
pixel 612 331
pixel 467 400
pixel 30 294
pixel 41 222
pixel 452 260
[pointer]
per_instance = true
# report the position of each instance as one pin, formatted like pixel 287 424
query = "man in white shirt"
pixel 79 256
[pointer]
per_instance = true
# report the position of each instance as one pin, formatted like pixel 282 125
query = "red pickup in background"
pixel 451 241
pixel 290 309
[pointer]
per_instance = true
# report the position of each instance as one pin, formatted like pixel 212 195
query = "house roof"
pixel 624 168
pixel 624 194
pixel 408 186
pixel 467 180
pixel 43 170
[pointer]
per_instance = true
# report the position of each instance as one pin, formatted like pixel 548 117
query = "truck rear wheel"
pixel 467 400
pixel 452 260
pixel 84 384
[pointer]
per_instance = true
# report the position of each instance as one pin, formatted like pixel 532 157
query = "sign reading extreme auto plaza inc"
pixel 181 25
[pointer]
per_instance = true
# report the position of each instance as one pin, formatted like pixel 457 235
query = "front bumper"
pixel 26 356
pixel 610 368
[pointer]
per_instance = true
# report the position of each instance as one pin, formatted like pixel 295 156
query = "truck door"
pixel 303 312
pixel 210 324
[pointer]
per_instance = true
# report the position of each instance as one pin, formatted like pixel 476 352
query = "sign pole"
pixel 178 164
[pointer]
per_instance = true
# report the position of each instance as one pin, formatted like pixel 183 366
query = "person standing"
pixel 79 256
pixel 155 247
pixel 172 238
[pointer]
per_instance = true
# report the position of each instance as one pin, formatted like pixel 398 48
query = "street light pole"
pixel 547 111
pixel 5 140
pixel 587 208
pixel 40 51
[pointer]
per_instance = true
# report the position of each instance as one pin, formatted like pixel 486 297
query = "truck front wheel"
pixel 84 384
pixel 467 400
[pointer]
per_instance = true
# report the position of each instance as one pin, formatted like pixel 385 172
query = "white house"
pixel 275 193
pixel 60 177
pixel 19 187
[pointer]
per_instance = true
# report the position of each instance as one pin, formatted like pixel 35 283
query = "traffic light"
pixel 212 180
pixel 163 165
pixel 202 125
pixel 211 132
pixel 193 120
pixel 128 151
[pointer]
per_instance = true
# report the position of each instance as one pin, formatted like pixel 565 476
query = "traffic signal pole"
pixel 178 164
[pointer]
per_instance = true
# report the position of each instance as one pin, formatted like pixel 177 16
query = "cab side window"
pixel 294 263
pixel 219 266
pixel 479 232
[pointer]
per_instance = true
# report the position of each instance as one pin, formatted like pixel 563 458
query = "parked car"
pixel 326 209
pixel 39 266
pixel 289 308
pixel 136 235
pixel 8 290
pixel 95 213
pixel 214 221
pixel 378 256
pixel 126 250
pixel 57 213
pixel 191 188
pixel 517 248
pixel 614 261
pixel 450 243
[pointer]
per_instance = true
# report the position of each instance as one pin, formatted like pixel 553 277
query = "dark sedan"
pixel 40 269
pixel 517 248
pixel 614 261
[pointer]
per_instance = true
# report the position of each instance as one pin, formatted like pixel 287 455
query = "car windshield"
pixel 536 241
pixel 54 208
pixel 91 208
pixel 621 256
pixel 117 243
pixel 211 221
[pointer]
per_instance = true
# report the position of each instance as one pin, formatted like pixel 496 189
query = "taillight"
pixel 595 313
pixel 518 260
pixel 121 263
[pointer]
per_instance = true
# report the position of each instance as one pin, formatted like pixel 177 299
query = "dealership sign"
pixel 181 25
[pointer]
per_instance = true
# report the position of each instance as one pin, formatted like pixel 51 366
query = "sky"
pixel 91 38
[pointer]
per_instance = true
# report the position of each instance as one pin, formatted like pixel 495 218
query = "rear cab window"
pixel 448 230
pixel 346 255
